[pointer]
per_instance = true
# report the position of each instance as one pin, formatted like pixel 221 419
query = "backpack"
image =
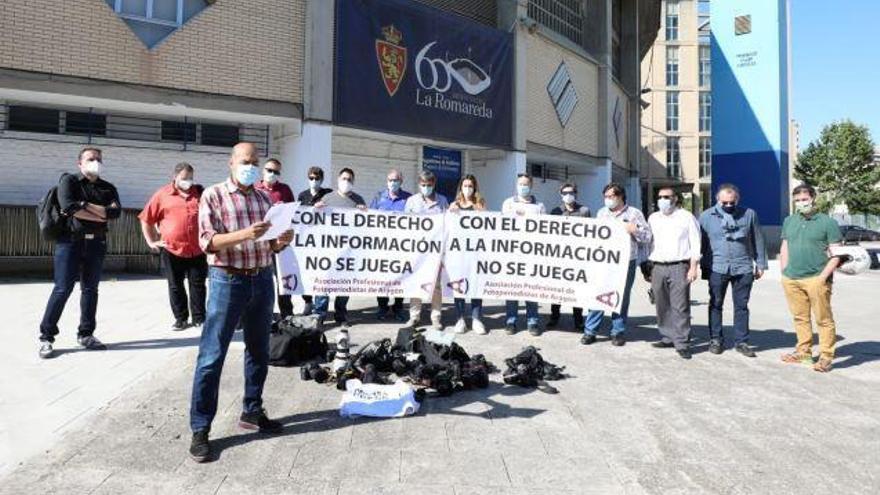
pixel 296 340
pixel 49 217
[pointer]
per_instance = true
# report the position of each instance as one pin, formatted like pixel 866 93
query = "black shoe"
pixel 578 326
pixel 618 340
pixel 179 325
pixel 382 314
pixel 588 339
pixel 553 321
pixel 91 343
pixel 684 353
pixel 258 421
pixel 510 328
pixel 534 330
pixel 200 448
pixel 745 350
pixel 715 346
pixel 198 323
pixel 662 345
pixel 307 309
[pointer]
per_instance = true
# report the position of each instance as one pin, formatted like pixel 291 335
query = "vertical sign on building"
pixel 750 114
pixel 446 165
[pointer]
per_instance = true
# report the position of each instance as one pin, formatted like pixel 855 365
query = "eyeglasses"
pixel 274 172
pixel 312 177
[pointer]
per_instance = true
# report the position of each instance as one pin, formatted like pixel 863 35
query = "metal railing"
pixel 565 17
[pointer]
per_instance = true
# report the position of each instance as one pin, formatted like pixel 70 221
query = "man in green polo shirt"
pixel 807 270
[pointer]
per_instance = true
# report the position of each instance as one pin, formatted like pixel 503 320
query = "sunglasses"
pixel 274 172
pixel 665 197
pixel 312 177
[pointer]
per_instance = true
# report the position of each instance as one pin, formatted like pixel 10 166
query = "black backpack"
pixel 52 223
pixel 296 340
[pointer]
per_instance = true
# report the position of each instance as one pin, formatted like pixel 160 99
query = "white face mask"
pixel 568 198
pixel 611 203
pixel 314 184
pixel 92 167
pixel 184 184
pixel 344 186
pixel 467 191
pixel 665 205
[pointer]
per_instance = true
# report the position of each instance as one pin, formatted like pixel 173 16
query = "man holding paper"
pixel 240 288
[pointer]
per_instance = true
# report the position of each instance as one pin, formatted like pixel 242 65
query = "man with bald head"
pixel 392 198
pixel 240 288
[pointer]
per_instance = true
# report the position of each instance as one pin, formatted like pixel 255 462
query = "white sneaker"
pixel 413 321
pixel 460 326
pixel 478 328
pixel 46 350
pixel 435 320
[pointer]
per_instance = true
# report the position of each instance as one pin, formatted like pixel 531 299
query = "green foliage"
pixel 839 164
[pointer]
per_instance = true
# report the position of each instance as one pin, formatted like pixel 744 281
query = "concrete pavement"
pixel 630 420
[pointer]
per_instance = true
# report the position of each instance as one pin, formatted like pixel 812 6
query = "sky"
pixel 835 64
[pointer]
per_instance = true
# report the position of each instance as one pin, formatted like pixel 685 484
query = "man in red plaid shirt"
pixel 240 288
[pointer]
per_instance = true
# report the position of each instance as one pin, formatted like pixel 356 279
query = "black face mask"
pixel 728 208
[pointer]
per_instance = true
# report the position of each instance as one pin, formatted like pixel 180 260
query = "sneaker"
pixel 715 346
pixel 258 421
pixel 745 350
pixel 200 448
pixel 91 343
pixel 510 328
pixel 460 326
pixel 413 321
pixel 534 329
pixel 435 320
pixel 684 353
pixel 478 327
pixel 46 350
pixel 588 339
pixel 179 325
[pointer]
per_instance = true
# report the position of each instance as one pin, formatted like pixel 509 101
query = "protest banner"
pixel 341 251
pixel 572 261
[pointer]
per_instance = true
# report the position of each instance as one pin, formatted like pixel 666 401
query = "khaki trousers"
pixel 806 297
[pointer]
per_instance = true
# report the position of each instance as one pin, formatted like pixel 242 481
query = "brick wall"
pixel 222 50
pixel 581 132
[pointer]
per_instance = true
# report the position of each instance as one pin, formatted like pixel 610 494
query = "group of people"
pixel 209 236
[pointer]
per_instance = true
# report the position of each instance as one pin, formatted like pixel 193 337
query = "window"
pixel 178 131
pixel 153 20
pixel 672 110
pixel 705 66
pixel 672 66
pixel 564 17
pixel 673 157
pixel 705 157
pixel 219 135
pixel 672 20
pixel 33 119
pixel 705 111
pixel 92 124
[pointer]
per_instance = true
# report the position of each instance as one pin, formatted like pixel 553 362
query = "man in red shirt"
pixel 279 192
pixel 174 209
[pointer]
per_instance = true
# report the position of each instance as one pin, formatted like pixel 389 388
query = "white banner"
pixel 573 261
pixel 342 251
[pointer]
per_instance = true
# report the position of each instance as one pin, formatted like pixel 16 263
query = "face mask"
pixel 426 190
pixel 184 184
pixel 611 203
pixel 568 198
pixel 467 191
pixel 523 191
pixel 269 178
pixel 92 167
pixel 728 208
pixel 344 186
pixel 314 184
pixel 246 174
pixel 804 207
pixel 393 185
pixel 665 205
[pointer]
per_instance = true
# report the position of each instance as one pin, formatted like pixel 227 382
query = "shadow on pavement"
pixel 851 355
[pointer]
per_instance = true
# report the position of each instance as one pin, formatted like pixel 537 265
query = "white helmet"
pixel 854 259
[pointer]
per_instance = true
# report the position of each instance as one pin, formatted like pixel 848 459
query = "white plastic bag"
pixel 378 401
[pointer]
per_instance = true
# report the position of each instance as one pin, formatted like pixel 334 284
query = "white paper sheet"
pixel 280 215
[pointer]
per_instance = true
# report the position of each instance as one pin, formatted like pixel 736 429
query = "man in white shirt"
pixel 675 255
pixel 427 201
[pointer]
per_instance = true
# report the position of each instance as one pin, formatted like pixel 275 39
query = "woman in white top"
pixel 469 199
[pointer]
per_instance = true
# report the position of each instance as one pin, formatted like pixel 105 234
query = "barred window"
pixel 564 17
pixel 672 110
pixel 672 66
pixel 673 157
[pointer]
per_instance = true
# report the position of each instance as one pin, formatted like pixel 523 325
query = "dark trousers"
pixel 285 305
pixel 75 261
pixel 340 307
pixel 397 308
pixel 577 315
pixel 195 271
pixel 233 298
pixel 672 299
pixel 742 290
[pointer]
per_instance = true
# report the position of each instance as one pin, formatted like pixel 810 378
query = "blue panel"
pixel 762 178
pixel 446 165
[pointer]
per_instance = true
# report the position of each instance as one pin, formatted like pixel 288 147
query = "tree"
pixel 840 165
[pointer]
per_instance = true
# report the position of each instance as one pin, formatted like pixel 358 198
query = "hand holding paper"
pixel 281 217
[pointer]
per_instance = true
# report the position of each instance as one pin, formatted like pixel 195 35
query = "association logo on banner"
pixel 391 55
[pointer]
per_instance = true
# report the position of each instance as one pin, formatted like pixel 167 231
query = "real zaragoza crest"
pixel 392 58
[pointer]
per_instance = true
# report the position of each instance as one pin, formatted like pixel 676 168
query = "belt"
pixel 247 272
pixel 670 262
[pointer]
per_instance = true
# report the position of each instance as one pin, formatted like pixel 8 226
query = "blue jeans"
pixel 742 290
pixel 476 308
pixel 230 298
pixel 618 320
pixel 340 307
pixel 512 307
pixel 75 261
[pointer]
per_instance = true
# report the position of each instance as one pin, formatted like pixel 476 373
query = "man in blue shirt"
pixel 733 254
pixel 392 198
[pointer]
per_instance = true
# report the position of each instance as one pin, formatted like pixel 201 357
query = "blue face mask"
pixel 247 174
pixel 523 191
pixel 394 185
pixel 426 190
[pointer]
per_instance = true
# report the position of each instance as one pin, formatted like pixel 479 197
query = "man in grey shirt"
pixel 733 253
pixel 342 197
